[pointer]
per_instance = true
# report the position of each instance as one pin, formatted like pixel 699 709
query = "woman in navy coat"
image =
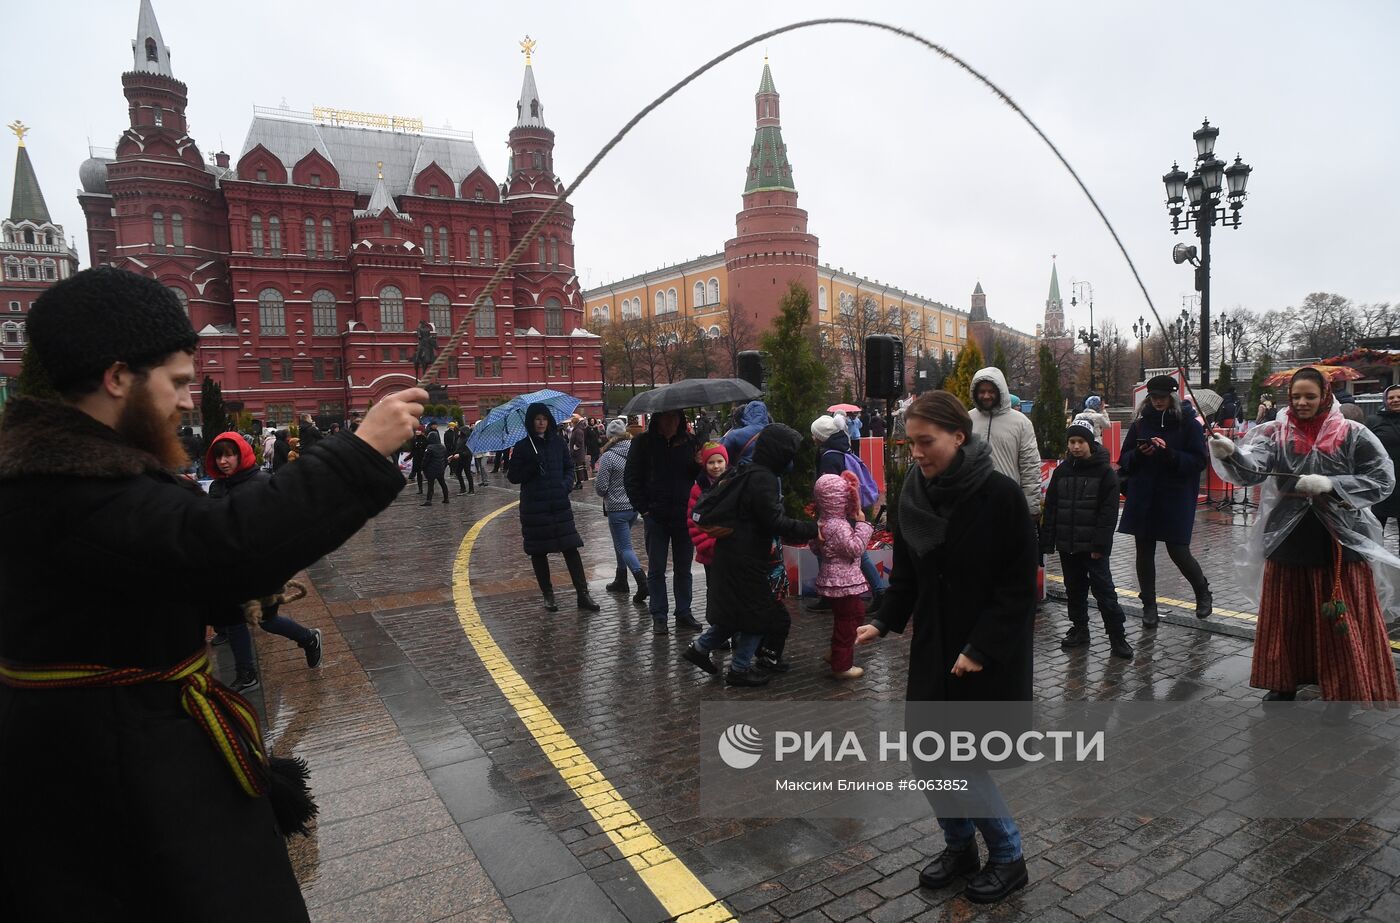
pixel 541 465
pixel 1160 465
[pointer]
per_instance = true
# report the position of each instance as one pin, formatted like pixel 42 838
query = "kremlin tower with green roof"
pixel 772 247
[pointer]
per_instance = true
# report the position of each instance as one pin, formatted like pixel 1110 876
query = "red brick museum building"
pixel 307 264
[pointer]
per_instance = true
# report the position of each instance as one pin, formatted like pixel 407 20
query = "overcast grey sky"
pixel 911 172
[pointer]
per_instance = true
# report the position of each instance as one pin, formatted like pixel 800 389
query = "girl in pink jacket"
pixel 843 535
pixel 715 458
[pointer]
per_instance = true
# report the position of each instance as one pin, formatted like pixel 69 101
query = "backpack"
pixel 869 490
pixel 717 510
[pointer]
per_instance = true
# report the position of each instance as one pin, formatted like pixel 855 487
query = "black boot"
pixel 996 881
pixel 1205 603
pixel 1118 646
pixel 586 602
pixel 950 864
pixel 549 604
pixel 1149 613
pixel 701 659
pixel 1077 636
pixel 733 677
pixel 641 595
pixel 619 584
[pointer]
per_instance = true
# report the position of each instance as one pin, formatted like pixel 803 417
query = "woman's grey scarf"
pixel 924 504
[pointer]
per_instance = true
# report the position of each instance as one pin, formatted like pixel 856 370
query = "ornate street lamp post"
pixel 1090 337
pixel 1183 331
pixel 1142 329
pixel 1202 197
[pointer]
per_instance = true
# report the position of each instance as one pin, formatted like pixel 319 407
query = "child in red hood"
pixel 231 464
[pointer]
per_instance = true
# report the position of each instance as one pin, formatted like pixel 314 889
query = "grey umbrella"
pixel 691 392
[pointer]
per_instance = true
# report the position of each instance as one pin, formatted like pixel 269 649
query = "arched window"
pixel 713 291
pixel 309 229
pixel 670 300
pixel 181 297
pixel 31 268
pixel 159 116
pixel 12 333
pixel 391 309
pixel 440 313
pixel 553 253
pixel 699 294
pixel 428 243
pixel 473 253
pixel 488 248
pixel 821 298
pixel 177 231
pixel 29 235
pixel 660 306
pixel 12 270
pixel 485 318
pixel 713 332
pixel 443 253
pixel 388 231
pixel 553 317
pixel 323 320
pixel 49 269
pixel 274 235
pixel 158 228
pixel 151 54
pixel 848 304
pixel 539 250
pixel 327 239
pixel 272 313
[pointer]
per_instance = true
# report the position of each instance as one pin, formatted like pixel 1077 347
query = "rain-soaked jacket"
pixel 1361 472
pixel 1010 436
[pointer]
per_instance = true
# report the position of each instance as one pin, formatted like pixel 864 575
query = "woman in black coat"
pixel 435 466
pixel 540 463
pixel 1386 426
pixel 965 558
pixel 1163 455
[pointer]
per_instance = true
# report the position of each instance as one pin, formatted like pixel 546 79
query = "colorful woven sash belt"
pixel 226 717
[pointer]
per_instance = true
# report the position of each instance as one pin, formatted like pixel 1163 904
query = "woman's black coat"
pixel 1386 426
pixel 1161 488
pixel 543 468
pixel 739 596
pixel 977 588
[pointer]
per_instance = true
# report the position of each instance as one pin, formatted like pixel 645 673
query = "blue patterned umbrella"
pixel 504 426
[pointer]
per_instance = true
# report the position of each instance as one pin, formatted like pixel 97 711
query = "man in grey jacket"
pixel 1008 433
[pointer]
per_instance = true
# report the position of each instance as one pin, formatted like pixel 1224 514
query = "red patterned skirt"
pixel 1295 645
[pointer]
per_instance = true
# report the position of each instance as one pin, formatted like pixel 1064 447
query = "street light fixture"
pixel 1142 329
pixel 1204 208
pixel 1090 337
pixel 1183 331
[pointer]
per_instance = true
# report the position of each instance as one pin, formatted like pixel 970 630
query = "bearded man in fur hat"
pixel 132 784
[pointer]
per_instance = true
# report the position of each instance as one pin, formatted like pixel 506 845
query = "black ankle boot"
pixel 549 604
pixel 641 595
pixel 586 602
pixel 619 584
pixel 1205 603
pixel 1118 646
pixel 1149 613
pixel 950 864
pixel 996 881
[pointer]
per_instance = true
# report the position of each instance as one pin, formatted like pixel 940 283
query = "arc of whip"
pixel 507 266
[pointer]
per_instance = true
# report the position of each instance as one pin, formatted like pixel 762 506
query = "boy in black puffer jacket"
pixel 1081 512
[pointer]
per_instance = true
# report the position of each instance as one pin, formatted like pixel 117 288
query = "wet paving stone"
pixel 413 745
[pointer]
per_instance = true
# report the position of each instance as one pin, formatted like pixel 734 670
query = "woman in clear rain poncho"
pixel 1314 548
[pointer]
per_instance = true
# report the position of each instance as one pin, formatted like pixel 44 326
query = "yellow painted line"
pixel 674 886
pixel 1190 606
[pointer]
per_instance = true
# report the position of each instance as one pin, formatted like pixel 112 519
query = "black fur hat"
pixel 82 325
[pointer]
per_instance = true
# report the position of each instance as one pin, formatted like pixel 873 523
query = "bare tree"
pixel 1378 320
pixel 1324 325
pixel 855 320
pixel 1115 363
pixel 740 333
pixel 1267 334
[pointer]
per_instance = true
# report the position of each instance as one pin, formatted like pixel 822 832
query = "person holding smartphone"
pixel 1160 465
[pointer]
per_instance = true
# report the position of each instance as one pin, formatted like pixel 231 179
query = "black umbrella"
pixel 691 392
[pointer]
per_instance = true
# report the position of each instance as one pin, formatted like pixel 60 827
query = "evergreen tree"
pixel 211 409
pixel 999 361
pixel 1048 414
pixel 1224 379
pixel 33 381
pixel 959 383
pixel 797 386
pixel 1257 389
